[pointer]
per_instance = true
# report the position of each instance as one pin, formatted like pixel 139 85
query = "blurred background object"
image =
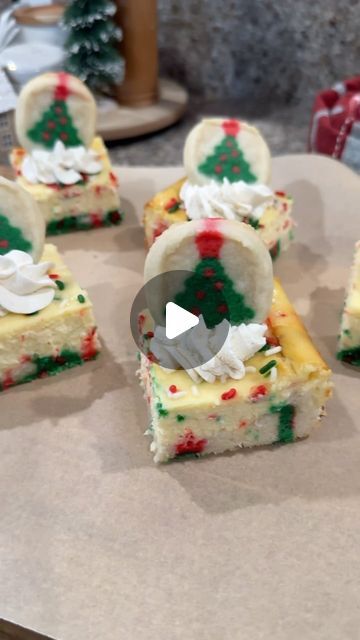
pixel 253 59
pixel 90 45
pixel 335 123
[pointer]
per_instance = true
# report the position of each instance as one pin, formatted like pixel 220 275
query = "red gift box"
pixel 335 123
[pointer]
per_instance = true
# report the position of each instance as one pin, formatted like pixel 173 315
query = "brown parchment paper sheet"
pixel 98 542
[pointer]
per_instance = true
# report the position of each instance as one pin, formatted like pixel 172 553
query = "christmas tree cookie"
pixel 227 163
pixel 349 338
pixel 266 384
pixel 61 163
pixel 46 319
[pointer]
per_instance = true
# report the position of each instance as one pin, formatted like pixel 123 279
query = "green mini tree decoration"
pixel 91 52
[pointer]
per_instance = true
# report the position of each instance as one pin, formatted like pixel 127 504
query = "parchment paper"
pixel 96 542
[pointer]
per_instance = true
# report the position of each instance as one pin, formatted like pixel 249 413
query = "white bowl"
pixel 24 61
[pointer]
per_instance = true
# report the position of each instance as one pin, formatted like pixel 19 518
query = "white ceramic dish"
pixel 24 61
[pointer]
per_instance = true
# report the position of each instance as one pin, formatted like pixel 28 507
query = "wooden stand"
pixel 138 21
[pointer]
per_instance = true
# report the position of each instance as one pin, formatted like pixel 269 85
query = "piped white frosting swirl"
pixel 25 287
pixel 230 200
pixel 242 342
pixel 63 165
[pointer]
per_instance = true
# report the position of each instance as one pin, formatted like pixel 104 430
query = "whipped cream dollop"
pixel 25 287
pixel 242 342
pixel 64 165
pixel 230 200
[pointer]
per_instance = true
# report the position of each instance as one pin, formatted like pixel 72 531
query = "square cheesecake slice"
pixel 349 339
pixel 275 226
pixel 58 337
pixel 280 399
pixel 94 202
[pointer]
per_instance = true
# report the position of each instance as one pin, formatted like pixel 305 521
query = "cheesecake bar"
pixel 280 399
pixel 58 337
pixel 349 339
pixel 92 202
pixel 275 226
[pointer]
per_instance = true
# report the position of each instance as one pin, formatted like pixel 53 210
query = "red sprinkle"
pixel 88 346
pixel 222 308
pixel 243 423
pixel 171 203
pixel 173 388
pixel 236 169
pixel 257 393
pixel 208 272
pixel 281 194
pixel 150 334
pixel 228 395
pixel 96 220
pixel 200 295
pixel 4 244
pixel 189 444
pixel 54 276
pixel 218 168
pixel 196 311
pixel 219 285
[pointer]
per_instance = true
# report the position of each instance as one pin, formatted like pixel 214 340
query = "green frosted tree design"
pixel 12 238
pixel 227 161
pixel 210 292
pixel 55 124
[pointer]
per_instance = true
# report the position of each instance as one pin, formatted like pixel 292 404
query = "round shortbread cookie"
pixel 216 149
pixel 22 225
pixel 227 259
pixel 55 106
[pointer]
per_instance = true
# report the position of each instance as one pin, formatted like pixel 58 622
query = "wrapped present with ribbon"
pixel 335 123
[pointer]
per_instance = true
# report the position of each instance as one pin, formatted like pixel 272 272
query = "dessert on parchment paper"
pixel 267 384
pixel 228 169
pixel 61 163
pixel 46 319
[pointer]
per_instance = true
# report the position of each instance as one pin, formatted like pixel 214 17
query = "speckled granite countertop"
pixel 285 129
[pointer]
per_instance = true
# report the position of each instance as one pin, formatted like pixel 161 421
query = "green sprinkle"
pixel 264 348
pixel 174 208
pixel 268 366
pixel 60 284
pixel 347 332
pixel 81 298
pixel 253 222
pixel 180 418
pixel 161 410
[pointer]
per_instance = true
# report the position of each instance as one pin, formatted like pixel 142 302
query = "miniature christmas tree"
pixel 55 124
pixel 91 54
pixel 209 291
pixel 227 160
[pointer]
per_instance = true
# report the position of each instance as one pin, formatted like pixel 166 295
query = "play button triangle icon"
pixel 178 320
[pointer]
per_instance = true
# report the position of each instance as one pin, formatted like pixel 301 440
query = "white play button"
pixel 178 320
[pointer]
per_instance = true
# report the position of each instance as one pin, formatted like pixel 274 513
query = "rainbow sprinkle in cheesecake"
pixel 61 164
pixel 267 384
pixel 227 163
